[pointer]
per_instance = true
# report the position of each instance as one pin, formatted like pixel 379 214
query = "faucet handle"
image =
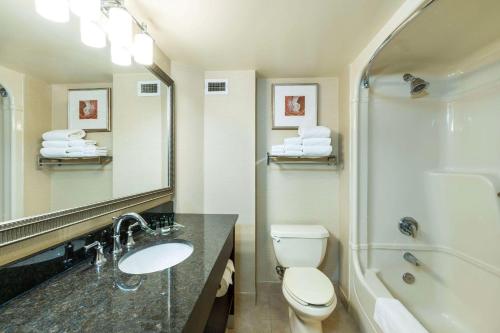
pixel 130 237
pixel 408 226
pixel 99 259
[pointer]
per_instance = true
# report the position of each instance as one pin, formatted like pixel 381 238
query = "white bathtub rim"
pixel 430 248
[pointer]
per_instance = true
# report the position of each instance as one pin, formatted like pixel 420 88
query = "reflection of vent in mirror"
pixel 148 88
pixel 216 87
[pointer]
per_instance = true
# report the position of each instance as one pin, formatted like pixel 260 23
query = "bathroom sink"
pixel 155 257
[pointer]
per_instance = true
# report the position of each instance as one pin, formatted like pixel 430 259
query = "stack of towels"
pixel 311 142
pixel 69 143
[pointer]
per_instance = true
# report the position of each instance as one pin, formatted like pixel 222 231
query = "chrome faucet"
pixel 408 226
pixel 411 259
pixel 99 258
pixel 117 223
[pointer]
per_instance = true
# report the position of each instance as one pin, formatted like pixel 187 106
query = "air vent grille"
pixel 216 87
pixel 148 88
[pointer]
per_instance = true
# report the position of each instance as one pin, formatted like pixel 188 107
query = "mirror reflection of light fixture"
pixel 53 10
pixel 91 34
pixel 120 26
pixel 143 47
pixel 101 17
pixel 86 9
pixel 120 55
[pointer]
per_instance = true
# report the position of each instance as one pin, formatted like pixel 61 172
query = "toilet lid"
pixel 308 285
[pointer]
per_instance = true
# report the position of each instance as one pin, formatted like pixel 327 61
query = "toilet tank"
pixel 299 245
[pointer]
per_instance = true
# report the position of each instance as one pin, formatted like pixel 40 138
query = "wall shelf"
pixel 98 160
pixel 329 160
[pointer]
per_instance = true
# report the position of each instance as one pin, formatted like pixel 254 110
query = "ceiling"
pixel 50 51
pixel 278 38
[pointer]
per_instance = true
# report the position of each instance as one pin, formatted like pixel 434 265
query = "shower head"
pixel 417 85
pixel 3 92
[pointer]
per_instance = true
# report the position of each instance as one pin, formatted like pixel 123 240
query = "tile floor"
pixel 270 314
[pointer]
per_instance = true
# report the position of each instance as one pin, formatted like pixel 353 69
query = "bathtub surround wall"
pixel 455 136
pixel 358 291
pixel 296 194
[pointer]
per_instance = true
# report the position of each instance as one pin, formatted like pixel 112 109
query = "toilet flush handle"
pixel 277 239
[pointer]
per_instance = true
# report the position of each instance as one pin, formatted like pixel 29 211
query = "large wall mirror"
pixel 49 80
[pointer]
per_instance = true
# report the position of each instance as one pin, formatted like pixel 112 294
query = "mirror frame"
pixel 17 230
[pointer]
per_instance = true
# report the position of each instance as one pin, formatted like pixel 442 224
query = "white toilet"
pixel 309 292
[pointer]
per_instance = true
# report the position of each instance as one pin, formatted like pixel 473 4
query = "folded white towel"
pixel 314 132
pixel 54 152
pixel 290 154
pixel 87 149
pixel 69 143
pixel 277 149
pixel 317 151
pixel 88 153
pixel 66 134
pixel 293 148
pixel 393 317
pixel 293 153
pixel 296 140
pixel 317 142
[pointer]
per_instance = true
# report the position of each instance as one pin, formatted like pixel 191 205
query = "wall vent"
pixel 148 88
pixel 216 87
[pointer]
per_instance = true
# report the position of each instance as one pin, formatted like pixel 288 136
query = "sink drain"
pixel 408 278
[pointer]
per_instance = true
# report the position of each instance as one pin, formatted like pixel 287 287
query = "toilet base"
pixel 297 325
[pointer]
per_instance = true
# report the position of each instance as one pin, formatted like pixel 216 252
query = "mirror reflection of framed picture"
pixel 90 109
pixel 294 105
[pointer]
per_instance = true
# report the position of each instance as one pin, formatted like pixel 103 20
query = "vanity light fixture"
pixel 86 9
pixel 120 55
pixel 99 18
pixel 143 47
pixel 91 34
pixel 53 10
pixel 120 26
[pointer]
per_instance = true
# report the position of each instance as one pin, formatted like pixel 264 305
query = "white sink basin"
pixel 155 258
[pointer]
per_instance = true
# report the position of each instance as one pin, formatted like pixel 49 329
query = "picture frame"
pixel 294 105
pixel 90 109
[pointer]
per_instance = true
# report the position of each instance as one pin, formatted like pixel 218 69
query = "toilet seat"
pixel 308 286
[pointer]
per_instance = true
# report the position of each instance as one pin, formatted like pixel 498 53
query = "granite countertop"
pixel 91 300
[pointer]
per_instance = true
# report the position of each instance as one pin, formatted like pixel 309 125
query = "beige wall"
pixel 31 103
pixel 37 120
pixel 229 169
pixel 295 194
pixel 87 184
pixel 344 247
pixel 189 116
pixel 137 136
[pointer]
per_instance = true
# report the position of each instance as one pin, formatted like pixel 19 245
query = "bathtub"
pixel 441 298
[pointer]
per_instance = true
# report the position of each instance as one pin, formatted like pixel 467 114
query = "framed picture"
pixel 294 105
pixel 90 109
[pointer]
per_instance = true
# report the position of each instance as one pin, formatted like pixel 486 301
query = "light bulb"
pixel 143 49
pixel 53 10
pixel 120 27
pixel 120 55
pixel 91 34
pixel 86 9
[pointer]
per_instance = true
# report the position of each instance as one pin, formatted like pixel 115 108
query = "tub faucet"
pixel 408 226
pixel 411 259
pixel 117 223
